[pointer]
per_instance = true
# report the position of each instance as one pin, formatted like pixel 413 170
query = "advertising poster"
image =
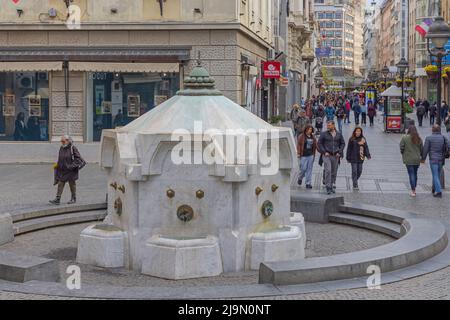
pixel 106 107
pixel 134 105
pixel 370 96
pixel 34 103
pixel 99 97
pixel 394 122
pixel 9 100
pixel 160 99
pixel 9 111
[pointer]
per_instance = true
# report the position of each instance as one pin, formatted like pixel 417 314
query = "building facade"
pixel 340 25
pixel 370 39
pixel 109 63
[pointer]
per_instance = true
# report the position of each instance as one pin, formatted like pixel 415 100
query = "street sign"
pixel 272 69
pixel 284 82
pixel 323 52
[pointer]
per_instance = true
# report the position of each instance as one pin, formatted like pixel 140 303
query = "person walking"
pixel 420 112
pixel 302 121
pixel 357 152
pixel 444 110
pixel 294 116
pixel 331 146
pixel 411 148
pixel 340 116
pixel 67 169
pixel 364 113
pixel 433 113
pixel 330 112
pixel 371 112
pixel 348 108
pixel 357 112
pixel 426 104
pixel 436 148
pixel 306 152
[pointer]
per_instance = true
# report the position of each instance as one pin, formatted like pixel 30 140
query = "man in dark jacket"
pixel 331 146
pixel 420 113
pixel 66 170
pixel 436 146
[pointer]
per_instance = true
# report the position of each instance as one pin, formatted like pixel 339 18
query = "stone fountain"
pixel 196 187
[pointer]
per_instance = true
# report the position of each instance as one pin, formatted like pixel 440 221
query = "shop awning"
pixel 124 67
pixel 30 66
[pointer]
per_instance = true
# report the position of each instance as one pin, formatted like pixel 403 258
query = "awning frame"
pixel 97 54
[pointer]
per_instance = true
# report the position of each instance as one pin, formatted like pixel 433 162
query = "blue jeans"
pixel 436 173
pixel 306 168
pixel 339 121
pixel 412 173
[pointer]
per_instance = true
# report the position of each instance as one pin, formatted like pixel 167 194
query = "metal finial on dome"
pixel 199 82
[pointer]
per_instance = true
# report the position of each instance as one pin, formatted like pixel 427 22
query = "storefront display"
pixel 25 106
pixel 115 99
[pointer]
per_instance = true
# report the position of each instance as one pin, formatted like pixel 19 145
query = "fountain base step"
pixel 285 244
pixel 6 229
pixel 102 246
pixel 176 259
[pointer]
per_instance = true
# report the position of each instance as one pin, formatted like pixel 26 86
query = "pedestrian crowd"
pixel 308 121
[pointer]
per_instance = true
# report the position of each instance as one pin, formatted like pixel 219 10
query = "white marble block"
pixel 287 244
pixel 102 246
pixel 182 259
pixel 6 229
pixel 298 220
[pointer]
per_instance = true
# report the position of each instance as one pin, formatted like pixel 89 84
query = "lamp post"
pixel 438 35
pixel 385 73
pixel 402 65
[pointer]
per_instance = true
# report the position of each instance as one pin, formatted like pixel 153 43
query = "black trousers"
pixel 357 169
pixel 420 119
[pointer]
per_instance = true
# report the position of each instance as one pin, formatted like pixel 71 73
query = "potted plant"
pixel 276 120
pixel 447 71
pixel 389 83
pixel 432 71
pixel 399 82
pixel 408 82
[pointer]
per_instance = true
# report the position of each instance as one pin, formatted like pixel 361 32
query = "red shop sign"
pixel 272 69
pixel 394 123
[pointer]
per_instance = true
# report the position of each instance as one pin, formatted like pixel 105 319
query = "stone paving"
pixel 382 184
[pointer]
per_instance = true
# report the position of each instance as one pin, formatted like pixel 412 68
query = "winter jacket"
pixel 434 148
pixel 330 144
pixel 411 153
pixel 67 169
pixel 420 110
pixel 372 112
pixel 330 112
pixel 301 144
pixel 354 148
pixel 301 123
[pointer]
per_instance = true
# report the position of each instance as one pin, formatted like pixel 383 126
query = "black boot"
pixel 56 201
pixel 73 200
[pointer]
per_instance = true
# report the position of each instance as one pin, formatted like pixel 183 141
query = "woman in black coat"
pixel 66 170
pixel 357 152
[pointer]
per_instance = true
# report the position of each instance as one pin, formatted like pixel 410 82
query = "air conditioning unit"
pixel 25 82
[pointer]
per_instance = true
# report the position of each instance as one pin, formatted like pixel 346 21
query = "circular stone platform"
pixel 61 244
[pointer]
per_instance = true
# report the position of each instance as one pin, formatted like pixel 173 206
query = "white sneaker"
pixel 413 194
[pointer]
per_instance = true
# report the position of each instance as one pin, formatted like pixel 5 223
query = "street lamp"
pixel 402 66
pixel 438 35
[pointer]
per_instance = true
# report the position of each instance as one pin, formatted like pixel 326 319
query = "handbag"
pixel 82 163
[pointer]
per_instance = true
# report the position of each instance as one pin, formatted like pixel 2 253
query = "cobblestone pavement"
pixel 30 186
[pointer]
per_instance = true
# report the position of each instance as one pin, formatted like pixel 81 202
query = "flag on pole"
pixel 424 27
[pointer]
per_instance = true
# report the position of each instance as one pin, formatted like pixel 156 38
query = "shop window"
pixel 116 99
pixel 24 100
